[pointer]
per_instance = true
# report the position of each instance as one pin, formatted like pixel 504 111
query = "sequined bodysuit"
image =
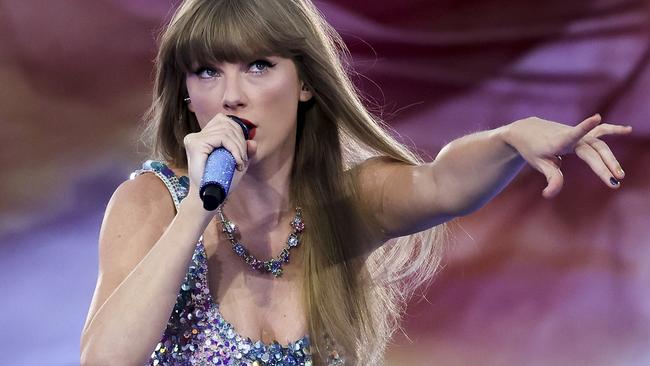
pixel 196 332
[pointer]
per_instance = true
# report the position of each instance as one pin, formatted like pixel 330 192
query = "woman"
pixel 320 170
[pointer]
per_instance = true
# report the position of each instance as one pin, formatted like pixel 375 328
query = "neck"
pixel 261 199
pixel 260 206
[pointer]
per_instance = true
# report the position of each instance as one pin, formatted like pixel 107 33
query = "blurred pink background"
pixel 527 281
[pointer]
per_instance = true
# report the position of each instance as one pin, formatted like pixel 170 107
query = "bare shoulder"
pixel 372 174
pixel 139 206
pixel 375 167
pixel 401 197
pixel 141 195
pixel 371 178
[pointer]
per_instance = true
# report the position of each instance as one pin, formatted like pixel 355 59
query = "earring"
pixel 187 100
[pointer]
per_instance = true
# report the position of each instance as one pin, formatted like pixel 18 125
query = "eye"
pixel 260 66
pixel 205 72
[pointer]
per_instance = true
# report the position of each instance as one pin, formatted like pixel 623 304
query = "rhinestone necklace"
pixel 273 265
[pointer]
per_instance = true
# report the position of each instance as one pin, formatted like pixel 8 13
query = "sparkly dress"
pixel 197 333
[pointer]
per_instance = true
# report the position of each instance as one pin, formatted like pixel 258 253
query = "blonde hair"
pixel 353 300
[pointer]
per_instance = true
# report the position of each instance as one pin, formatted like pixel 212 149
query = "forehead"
pixel 214 33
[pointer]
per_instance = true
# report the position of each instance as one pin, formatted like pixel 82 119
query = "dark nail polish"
pixel 614 181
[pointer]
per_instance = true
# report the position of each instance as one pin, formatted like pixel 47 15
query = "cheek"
pixel 279 100
pixel 204 109
pixel 202 104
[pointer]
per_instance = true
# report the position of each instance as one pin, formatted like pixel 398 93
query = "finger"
pixel 239 153
pixel 607 156
pixel 241 144
pixel 218 120
pixel 240 137
pixel 237 128
pixel 595 162
pixel 610 129
pixel 234 150
pixel 229 140
pixel 554 177
pixel 584 127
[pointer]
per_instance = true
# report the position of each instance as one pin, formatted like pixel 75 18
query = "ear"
pixel 305 93
pixel 188 104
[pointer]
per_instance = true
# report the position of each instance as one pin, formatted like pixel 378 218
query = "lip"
pixel 251 127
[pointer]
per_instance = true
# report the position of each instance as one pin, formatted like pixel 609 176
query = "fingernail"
pixel 620 171
pixel 614 181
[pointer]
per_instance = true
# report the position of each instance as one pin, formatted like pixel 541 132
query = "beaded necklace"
pixel 273 265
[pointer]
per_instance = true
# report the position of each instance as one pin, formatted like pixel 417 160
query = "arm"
pixel 144 252
pixel 470 171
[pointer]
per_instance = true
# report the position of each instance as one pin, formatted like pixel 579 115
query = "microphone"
pixel 219 170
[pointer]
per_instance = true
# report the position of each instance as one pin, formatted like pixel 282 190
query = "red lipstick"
pixel 251 128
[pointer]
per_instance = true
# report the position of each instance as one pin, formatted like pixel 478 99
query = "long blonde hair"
pixel 351 299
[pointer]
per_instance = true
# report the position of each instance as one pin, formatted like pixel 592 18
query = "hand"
pixel 542 143
pixel 220 131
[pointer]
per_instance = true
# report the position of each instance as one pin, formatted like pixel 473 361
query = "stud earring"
pixel 187 100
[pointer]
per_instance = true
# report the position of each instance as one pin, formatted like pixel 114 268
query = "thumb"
pixel 554 178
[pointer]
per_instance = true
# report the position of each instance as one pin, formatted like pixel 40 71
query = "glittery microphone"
pixel 219 169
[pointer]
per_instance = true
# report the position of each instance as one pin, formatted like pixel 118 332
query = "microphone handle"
pixel 218 173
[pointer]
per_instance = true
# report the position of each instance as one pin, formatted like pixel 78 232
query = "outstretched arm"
pixel 470 171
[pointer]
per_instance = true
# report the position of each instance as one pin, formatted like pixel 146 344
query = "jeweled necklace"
pixel 273 265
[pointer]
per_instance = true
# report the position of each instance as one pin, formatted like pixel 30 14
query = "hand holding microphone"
pixel 214 152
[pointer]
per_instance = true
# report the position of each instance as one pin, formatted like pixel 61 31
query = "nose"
pixel 233 94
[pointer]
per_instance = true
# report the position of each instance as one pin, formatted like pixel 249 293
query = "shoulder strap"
pixel 177 186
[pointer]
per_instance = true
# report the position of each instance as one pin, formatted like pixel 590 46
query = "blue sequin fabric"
pixel 197 333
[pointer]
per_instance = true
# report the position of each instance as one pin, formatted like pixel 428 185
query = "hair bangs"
pixel 229 31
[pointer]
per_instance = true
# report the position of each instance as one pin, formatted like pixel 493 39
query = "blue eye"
pixel 261 66
pixel 201 72
pixel 255 67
